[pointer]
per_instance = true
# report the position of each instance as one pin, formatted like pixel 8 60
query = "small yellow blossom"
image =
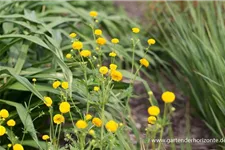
pixel 116 75
pixel 121 124
pixel 81 124
pixel 45 137
pixel 11 123
pixel 144 62
pixel 77 45
pixel 9 145
pixel 103 70
pixel 113 66
pixel 115 41
pixel 101 41
pixel 96 88
pixel 88 117
pixel 97 48
pixel 4 113
pixel 48 101
pixel 135 30
pixel 112 54
pixel 111 126
pixel 151 41
pixel 73 35
pixel 152 119
pixel 97 122
pixel 65 85
pixel 85 53
pixel 34 79
pixel 58 119
pixel 153 111
pixel 168 97
pixel 18 147
pixel 91 132
pixel 98 32
pixel 93 14
pixel 2 130
pixel 56 84
pixel 64 107
pixel 68 56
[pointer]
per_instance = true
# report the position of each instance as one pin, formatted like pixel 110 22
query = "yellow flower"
pixel 48 101
pixel 85 53
pixel 96 88
pixel 68 56
pixel 121 124
pixel 144 62
pixel 115 41
pixel 93 14
pixel 116 75
pixel 34 79
pixel 111 126
pixel 153 111
pixel 9 145
pixel 151 41
pixel 18 147
pixel 65 85
pixel 112 54
pixel 168 97
pixel 98 32
pixel 135 30
pixel 4 113
pixel 56 84
pixel 97 48
pixel 64 107
pixel 101 41
pixel 11 123
pixel 2 130
pixel 73 35
pixel 152 119
pixel 77 45
pixel 45 137
pixel 103 70
pixel 91 132
pixel 88 117
pixel 58 119
pixel 113 66
pixel 81 124
pixel 97 122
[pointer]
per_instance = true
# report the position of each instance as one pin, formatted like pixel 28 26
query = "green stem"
pixel 162 128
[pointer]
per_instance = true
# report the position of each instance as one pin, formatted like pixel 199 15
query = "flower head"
pixel 77 45
pixel 135 30
pixel 85 53
pixel 116 75
pixel 168 97
pixel 81 124
pixel 101 41
pixel 153 111
pixel 144 62
pixel 2 130
pixel 152 119
pixel 103 70
pixel 64 107
pixel 18 147
pixel 68 56
pixel 58 119
pixel 98 32
pixel 112 66
pixel 112 54
pixel 45 137
pixel 97 122
pixel 73 35
pixel 88 117
pixel 65 85
pixel 11 123
pixel 93 14
pixel 56 84
pixel 4 113
pixel 111 126
pixel 48 101
pixel 96 88
pixel 34 79
pixel 91 132
pixel 151 41
pixel 115 41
